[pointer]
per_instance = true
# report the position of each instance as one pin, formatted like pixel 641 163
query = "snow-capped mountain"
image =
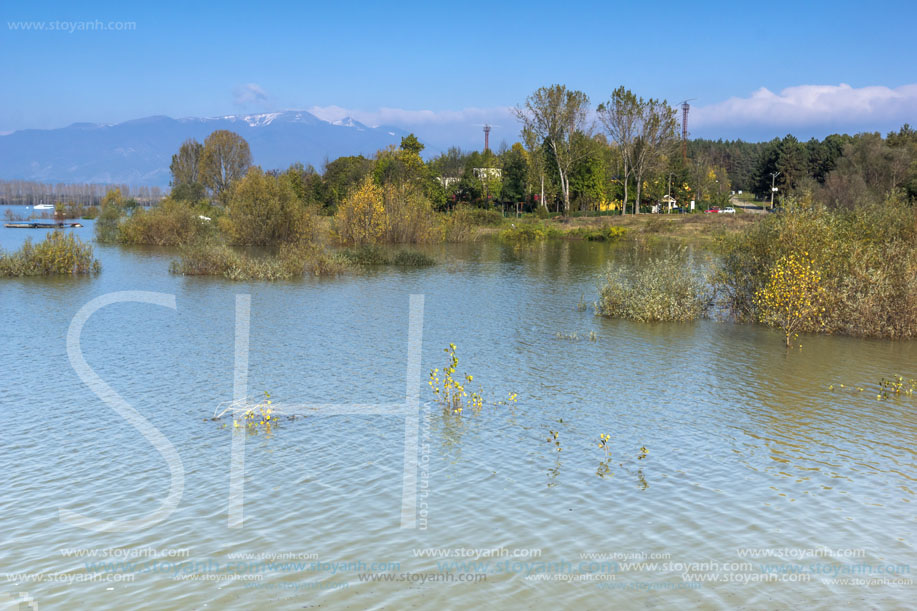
pixel 139 152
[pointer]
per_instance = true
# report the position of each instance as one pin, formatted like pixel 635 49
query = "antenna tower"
pixel 685 107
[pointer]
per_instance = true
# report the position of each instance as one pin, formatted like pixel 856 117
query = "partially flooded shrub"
pixel 412 258
pixel 662 289
pixel 793 297
pixel 450 391
pixel 292 261
pixel 264 211
pixel 58 253
pixel 376 255
pixel 108 222
pixel 866 258
pixel 252 415
pixel 367 254
pixel 170 223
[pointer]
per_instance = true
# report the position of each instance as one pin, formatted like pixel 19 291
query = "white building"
pixel 488 173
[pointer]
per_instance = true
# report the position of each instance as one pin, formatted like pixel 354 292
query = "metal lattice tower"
pixel 685 107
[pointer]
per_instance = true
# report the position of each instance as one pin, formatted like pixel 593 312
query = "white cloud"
pixel 811 105
pixel 248 94
pixel 804 110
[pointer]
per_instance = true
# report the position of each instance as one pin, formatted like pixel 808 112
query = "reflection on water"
pixel 746 445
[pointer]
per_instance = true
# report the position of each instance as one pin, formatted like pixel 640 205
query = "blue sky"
pixel 757 70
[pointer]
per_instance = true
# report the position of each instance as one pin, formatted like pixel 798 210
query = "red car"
pixel 713 210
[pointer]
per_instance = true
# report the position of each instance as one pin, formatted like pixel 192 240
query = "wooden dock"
pixel 31 225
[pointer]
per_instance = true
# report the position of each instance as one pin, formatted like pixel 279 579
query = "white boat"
pixel 43 207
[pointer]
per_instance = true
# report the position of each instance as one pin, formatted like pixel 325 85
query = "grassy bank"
pixel 696 227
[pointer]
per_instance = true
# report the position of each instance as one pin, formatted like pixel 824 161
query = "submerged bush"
pixel 170 223
pixel 376 255
pixel 866 259
pixel 263 210
pixel 291 262
pixel 368 254
pixel 108 221
pixel 58 253
pixel 412 258
pixel 662 289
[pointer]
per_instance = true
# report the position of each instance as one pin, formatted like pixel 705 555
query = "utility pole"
pixel 774 176
pixel 669 200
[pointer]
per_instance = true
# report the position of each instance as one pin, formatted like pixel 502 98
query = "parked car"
pixel 729 210
pixel 713 210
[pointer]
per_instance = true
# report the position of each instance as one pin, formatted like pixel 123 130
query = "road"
pixel 747 207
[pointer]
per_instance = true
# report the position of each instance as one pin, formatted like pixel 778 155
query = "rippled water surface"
pixel 747 448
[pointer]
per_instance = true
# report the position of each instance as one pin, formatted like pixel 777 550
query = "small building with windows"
pixel 488 173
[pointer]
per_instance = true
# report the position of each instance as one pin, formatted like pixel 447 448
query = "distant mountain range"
pixel 139 152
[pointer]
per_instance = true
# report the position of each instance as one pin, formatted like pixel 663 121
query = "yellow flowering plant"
pixel 793 297
pixel 452 392
pixel 252 415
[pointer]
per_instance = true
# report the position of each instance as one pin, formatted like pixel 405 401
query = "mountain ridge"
pixel 139 151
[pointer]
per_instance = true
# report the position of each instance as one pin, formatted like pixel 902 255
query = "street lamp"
pixel 774 176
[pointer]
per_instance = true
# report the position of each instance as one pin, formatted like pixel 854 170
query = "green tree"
pixel 656 139
pixel 108 222
pixel 906 140
pixel 402 166
pixel 186 164
pixel 868 172
pixel 447 171
pixel 306 183
pixel 263 210
pixel 620 116
pixel 538 166
pixel 225 159
pixel 554 114
pixel 342 176
pixel 410 144
pixel 515 174
pixel 646 131
pixel 792 162
pixel 587 179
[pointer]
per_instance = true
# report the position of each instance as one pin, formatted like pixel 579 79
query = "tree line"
pixel 838 171
pixel 622 155
pixel 31 193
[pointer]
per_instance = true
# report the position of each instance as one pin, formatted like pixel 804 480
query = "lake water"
pixel 761 487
